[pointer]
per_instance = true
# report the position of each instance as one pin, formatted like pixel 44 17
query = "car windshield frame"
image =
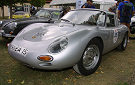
pixel 82 17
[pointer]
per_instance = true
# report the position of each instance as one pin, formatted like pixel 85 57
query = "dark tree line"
pixel 38 3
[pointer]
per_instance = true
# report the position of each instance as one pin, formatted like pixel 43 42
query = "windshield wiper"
pixel 68 21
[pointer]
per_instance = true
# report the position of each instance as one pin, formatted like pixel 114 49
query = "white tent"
pixel 62 2
pixel 104 4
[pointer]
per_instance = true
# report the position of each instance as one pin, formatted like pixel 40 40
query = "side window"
pixel 92 20
pixel 41 14
pixel 110 22
pixel 117 21
pixel 55 15
pixel 47 14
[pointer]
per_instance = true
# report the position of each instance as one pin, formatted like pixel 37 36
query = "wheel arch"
pixel 79 67
pixel 100 40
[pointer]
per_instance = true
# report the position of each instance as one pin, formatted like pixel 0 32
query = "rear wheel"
pixel 91 58
pixel 132 29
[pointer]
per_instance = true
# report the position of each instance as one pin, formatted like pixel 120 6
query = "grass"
pixel 116 68
pixel 122 84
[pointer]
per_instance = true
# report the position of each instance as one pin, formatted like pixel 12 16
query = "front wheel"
pixel 90 60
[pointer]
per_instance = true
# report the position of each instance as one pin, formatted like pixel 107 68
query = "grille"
pixel 6 29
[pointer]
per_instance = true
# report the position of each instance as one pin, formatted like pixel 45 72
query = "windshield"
pixel 82 17
pixel 53 14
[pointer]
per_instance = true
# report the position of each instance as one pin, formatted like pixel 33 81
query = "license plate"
pixel 20 50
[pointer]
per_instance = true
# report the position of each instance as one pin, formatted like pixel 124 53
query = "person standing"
pixel 114 7
pixel 88 4
pixel 125 12
pixel 32 10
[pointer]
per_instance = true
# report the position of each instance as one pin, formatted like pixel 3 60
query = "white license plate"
pixel 20 50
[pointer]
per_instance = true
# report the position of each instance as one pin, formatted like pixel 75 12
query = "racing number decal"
pixel 115 36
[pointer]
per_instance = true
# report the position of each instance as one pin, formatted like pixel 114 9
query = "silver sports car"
pixel 78 40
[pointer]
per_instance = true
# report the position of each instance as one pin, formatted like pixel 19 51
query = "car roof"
pixel 50 9
pixel 88 9
pixel 91 9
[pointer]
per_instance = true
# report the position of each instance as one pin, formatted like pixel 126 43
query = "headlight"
pixel 15 23
pixel 12 25
pixel 0 22
pixel 58 45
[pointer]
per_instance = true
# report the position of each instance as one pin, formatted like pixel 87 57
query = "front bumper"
pixel 67 58
pixel 3 34
pixel 8 35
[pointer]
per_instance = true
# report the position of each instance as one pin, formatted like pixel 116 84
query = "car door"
pixel 109 30
pixel 113 30
pixel 103 32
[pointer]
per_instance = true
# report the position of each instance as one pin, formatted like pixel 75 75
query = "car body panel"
pixel 13 27
pixel 38 39
pixel 20 14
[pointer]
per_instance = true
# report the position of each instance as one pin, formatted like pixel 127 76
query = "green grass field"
pixel 116 69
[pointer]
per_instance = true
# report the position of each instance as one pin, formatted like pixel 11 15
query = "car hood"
pixel 5 22
pixel 43 31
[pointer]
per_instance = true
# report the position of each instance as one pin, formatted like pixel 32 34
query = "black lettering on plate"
pixel 18 49
pixel 24 52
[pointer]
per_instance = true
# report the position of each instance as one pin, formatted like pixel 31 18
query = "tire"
pixel 132 29
pixel 124 42
pixel 90 59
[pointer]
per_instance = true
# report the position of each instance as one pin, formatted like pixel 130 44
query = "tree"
pixel 22 1
pixel 37 3
pixel 10 4
pixel 2 4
